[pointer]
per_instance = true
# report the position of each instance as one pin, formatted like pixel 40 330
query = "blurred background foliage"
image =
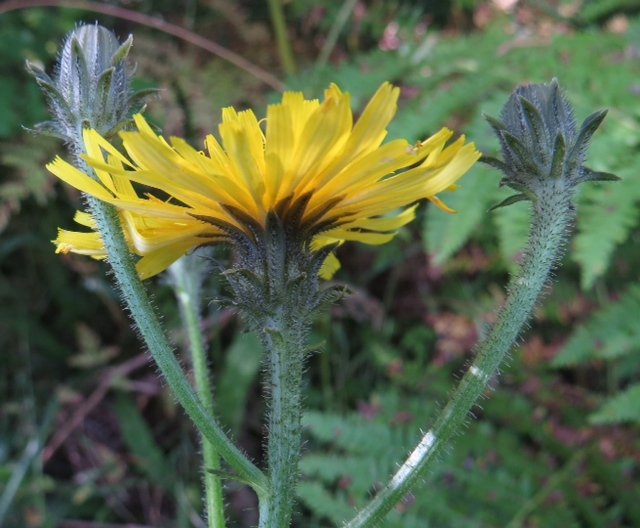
pixel 88 435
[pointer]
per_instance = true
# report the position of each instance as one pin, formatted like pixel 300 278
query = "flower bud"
pixel 90 87
pixel 541 144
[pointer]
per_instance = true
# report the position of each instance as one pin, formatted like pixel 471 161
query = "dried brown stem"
pixel 90 403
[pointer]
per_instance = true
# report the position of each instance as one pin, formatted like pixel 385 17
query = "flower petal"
pixel 78 179
pixel 312 166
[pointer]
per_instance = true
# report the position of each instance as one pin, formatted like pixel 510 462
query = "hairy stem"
pixel 552 218
pixel 137 301
pixel 284 346
pixel 187 289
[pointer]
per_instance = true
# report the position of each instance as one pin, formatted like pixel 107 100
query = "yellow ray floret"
pixel 352 186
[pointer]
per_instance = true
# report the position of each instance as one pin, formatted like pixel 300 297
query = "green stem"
pixel 552 218
pixel 187 290
pixel 336 28
pixel 29 456
pixel 139 305
pixel 284 346
pixel 280 30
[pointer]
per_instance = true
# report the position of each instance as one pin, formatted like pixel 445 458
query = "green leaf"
pixel 513 225
pixel 623 407
pixel 497 125
pixel 519 152
pixel 147 455
pixel 591 175
pixel 557 161
pixel 240 370
pixel 495 163
pixel 535 125
pixel 509 201
pixel 587 129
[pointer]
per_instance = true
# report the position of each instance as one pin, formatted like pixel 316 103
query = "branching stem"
pixel 137 301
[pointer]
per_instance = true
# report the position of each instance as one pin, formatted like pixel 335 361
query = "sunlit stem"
pixel 336 28
pixel 186 284
pixel 553 215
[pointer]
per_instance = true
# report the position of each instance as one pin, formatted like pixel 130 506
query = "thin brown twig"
pixel 156 23
pixel 92 524
pixel 96 397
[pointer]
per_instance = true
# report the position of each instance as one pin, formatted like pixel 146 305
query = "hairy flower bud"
pixel 90 87
pixel 541 144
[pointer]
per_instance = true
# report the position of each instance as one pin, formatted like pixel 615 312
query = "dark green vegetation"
pixel 555 445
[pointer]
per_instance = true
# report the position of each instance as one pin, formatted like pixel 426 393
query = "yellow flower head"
pixel 307 162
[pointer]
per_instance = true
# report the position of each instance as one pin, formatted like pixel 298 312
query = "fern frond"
pixel 611 332
pixel 623 407
pixel 444 234
pixel 324 504
pixel 513 224
pixel 606 215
